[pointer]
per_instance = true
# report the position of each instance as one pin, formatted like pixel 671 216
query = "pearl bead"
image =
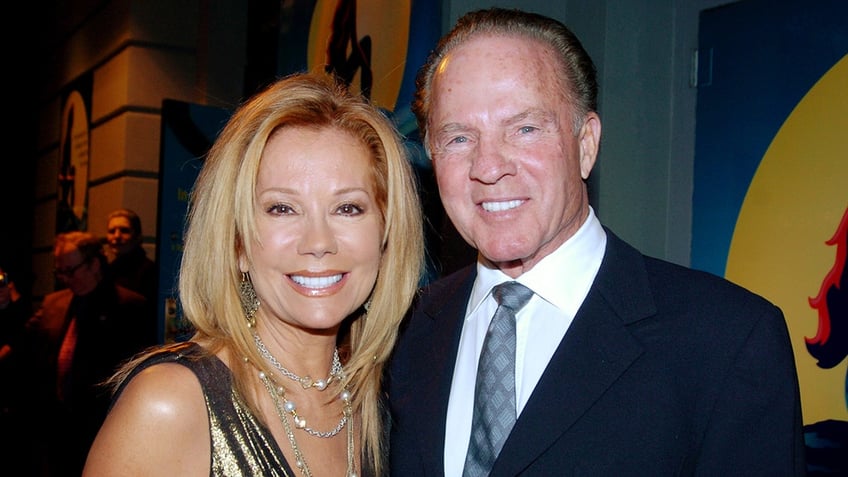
pixel 289 406
pixel 345 395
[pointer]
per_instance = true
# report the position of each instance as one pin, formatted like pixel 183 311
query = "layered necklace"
pixel 286 407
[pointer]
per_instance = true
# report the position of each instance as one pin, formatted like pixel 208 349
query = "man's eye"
pixel 458 140
pixel 527 129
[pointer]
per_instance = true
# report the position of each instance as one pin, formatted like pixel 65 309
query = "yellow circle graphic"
pixel 373 34
pixel 793 206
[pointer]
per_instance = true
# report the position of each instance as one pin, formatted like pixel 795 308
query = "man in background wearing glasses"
pixel 73 343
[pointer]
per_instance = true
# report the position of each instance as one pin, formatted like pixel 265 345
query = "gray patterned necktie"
pixel 494 394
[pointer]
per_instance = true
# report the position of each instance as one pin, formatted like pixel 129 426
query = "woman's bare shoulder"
pixel 164 391
pixel 158 424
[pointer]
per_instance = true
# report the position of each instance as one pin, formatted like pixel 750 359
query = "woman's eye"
pixel 280 209
pixel 350 209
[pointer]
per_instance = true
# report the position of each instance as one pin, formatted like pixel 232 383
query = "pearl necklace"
pixel 306 382
pixel 288 405
pixel 281 409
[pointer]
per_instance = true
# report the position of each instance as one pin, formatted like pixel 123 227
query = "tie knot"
pixel 512 295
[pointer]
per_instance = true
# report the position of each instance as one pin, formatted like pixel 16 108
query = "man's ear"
pixel 590 141
pixel 96 265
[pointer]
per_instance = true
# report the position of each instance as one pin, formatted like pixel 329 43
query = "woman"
pixel 305 208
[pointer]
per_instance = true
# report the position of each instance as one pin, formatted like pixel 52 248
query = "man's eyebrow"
pixel 452 127
pixel 535 114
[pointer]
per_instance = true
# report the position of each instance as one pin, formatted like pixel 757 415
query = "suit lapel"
pixel 594 352
pixel 446 316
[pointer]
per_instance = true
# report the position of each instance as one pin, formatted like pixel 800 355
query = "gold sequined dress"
pixel 241 445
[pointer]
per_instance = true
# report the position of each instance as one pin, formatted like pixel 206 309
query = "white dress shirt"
pixel 560 283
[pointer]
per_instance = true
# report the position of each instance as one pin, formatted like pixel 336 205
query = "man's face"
pixel 120 235
pixel 509 167
pixel 79 275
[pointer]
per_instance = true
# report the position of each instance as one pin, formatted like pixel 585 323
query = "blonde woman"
pixel 303 251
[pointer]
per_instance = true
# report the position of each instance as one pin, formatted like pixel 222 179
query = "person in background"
pixel 619 364
pixel 303 251
pixel 128 261
pixel 14 311
pixel 73 343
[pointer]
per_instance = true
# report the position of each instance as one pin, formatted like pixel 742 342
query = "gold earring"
pixel 249 300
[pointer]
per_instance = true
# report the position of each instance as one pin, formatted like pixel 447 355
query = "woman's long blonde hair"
pixel 221 224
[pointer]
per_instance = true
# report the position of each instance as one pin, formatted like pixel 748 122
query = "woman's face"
pixel 319 228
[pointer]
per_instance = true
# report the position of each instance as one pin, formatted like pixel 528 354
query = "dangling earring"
pixel 249 300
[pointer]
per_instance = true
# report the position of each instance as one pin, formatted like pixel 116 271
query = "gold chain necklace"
pixel 306 381
pixel 282 412
pixel 290 406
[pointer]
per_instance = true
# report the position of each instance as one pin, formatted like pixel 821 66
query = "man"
pixel 14 311
pixel 623 364
pixel 73 343
pixel 128 260
pixel 13 314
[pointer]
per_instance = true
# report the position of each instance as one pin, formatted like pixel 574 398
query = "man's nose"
pixel 489 161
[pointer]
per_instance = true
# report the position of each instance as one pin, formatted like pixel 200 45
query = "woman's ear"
pixel 243 262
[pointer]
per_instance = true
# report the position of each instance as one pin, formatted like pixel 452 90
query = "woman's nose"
pixel 318 238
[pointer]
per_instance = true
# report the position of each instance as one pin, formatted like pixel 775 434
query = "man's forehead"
pixel 66 253
pixel 119 222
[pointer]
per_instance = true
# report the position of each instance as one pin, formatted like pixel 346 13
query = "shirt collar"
pixel 561 278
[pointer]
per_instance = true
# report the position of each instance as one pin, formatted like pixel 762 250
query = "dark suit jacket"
pixel 113 323
pixel 136 272
pixel 664 371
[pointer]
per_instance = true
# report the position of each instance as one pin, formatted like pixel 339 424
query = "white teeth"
pixel 316 282
pixel 500 206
